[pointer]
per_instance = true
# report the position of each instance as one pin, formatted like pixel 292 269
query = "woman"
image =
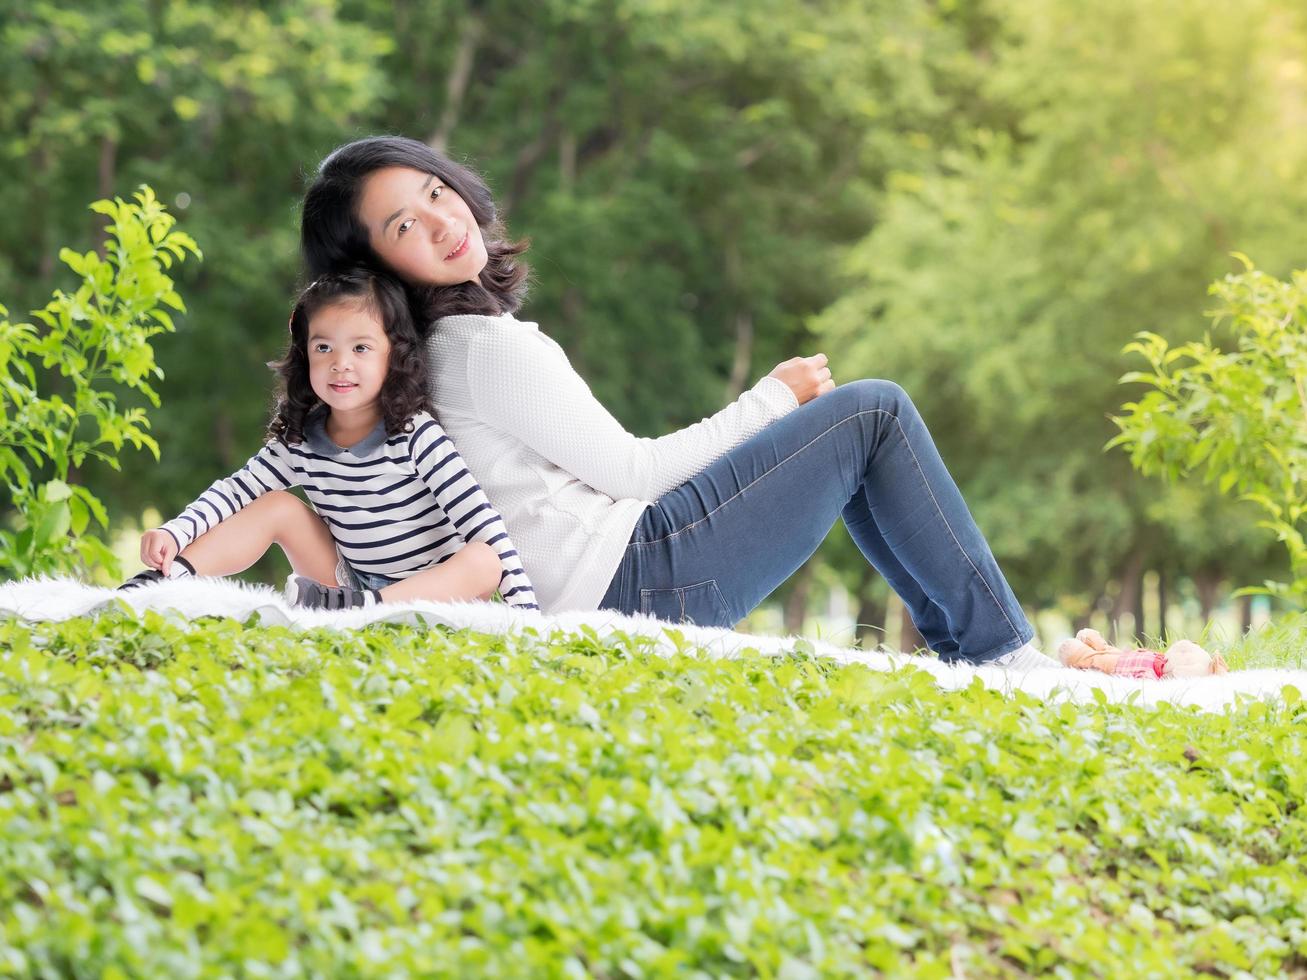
pixel 699 525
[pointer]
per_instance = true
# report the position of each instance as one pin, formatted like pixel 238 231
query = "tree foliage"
pixel 1106 175
pixel 222 109
pixel 1239 417
pixel 97 340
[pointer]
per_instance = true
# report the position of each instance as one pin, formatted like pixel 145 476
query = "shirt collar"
pixel 315 434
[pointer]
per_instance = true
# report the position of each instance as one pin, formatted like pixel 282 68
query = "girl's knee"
pixel 286 513
pixel 483 563
pixel 280 502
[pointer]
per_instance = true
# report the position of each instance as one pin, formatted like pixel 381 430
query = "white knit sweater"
pixel 569 481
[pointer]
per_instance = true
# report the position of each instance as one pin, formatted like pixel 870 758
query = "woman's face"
pixel 421 228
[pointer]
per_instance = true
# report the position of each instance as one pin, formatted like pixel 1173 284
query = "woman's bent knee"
pixel 877 388
pixel 873 393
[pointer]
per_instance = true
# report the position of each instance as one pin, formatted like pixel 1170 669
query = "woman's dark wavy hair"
pixel 403 393
pixel 332 237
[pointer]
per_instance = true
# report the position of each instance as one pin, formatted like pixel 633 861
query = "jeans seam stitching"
pixel 809 444
pixel 806 445
pixel 721 599
pixel 951 534
pixel 680 591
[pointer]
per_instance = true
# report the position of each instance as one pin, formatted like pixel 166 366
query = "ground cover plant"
pixel 215 797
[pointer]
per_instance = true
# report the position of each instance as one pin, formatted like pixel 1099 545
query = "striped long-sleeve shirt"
pixel 395 505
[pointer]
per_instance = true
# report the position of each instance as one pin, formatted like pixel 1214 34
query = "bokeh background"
pixel 982 200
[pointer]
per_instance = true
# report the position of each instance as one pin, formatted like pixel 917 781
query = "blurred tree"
pixel 219 107
pixel 688 172
pixel 1001 283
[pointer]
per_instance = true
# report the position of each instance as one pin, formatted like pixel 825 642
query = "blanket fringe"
pixel 55 599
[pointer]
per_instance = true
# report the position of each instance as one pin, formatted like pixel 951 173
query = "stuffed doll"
pixel 1089 651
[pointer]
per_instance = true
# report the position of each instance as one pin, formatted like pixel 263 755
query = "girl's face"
pixel 421 228
pixel 348 355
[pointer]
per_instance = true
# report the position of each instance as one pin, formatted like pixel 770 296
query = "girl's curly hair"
pixel 403 393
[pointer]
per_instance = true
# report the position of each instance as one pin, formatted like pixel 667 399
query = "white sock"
pixel 181 568
pixel 1027 657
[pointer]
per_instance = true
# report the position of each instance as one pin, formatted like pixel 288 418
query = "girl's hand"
pixel 158 549
pixel 807 377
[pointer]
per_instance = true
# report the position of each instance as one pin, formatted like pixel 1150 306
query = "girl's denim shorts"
pixel 352 578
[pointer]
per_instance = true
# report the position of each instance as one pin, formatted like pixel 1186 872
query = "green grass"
pixel 215 798
pixel 1280 643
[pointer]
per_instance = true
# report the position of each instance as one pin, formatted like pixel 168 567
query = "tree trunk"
pixel 460 71
pixel 1130 598
pixel 567 160
pixel 108 168
pixel 870 627
pixel 909 638
pixel 572 305
pixel 45 256
pixel 1161 605
pixel 795 610
pixel 1086 618
pixel 743 355
pixel 743 331
pixel 1245 613
pixel 1208 582
pixel 1139 606
pixel 530 154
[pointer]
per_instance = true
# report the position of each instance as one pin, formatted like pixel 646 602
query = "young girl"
pixel 399 516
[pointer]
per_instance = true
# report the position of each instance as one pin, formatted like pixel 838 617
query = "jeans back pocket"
pixel 700 605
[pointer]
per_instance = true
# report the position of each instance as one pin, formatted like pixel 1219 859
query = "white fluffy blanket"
pixel 59 598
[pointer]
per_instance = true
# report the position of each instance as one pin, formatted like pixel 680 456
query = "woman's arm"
pixel 268 469
pixel 522 382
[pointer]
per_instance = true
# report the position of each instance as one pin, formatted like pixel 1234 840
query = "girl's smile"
pixel 349 355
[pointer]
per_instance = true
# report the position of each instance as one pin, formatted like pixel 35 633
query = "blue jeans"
pixel 712 549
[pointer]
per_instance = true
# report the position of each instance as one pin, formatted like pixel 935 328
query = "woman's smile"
pixel 412 218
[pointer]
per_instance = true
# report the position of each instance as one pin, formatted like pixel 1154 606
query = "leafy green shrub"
pixel 98 335
pixel 210 798
pixel 1238 416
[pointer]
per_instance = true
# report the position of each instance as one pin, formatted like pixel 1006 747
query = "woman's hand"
pixel 807 377
pixel 158 549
